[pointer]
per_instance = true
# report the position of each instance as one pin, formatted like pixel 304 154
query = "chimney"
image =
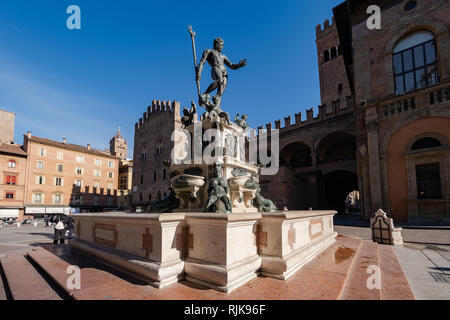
pixel 29 134
pixel 64 140
pixel 89 146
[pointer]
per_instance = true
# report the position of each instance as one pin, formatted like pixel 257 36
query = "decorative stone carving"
pixel 187 190
pixel 263 204
pixel 188 115
pixel 242 123
pixel 383 230
pixel 218 200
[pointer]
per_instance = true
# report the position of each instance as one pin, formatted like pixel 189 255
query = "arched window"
pixel 333 52
pixel 326 56
pixel 415 62
pixel 11 164
pixel 426 143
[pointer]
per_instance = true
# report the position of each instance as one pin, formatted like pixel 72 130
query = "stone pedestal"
pixel 288 240
pixel 149 246
pixel 222 250
pixel 383 230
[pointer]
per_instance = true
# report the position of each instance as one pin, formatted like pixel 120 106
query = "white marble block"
pixel 288 240
pixel 149 246
pixel 222 251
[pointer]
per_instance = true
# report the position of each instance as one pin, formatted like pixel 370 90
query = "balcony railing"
pixel 418 99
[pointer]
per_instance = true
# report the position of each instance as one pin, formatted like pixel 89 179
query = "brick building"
pixel 13 162
pixel 64 176
pixel 152 146
pixel 383 127
pixel 318 166
pixel 402 92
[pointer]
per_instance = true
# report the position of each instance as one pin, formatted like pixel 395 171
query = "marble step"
pixel 24 281
pixel 356 287
pixel 95 284
pixel 2 290
pixel 338 272
pixel 321 279
pixel 394 285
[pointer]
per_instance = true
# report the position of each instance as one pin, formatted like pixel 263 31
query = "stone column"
pixel 374 163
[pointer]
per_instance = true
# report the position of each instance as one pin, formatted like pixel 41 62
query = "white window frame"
pixel 38 180
pixel 37 164
pixel 62 182
pixel 60 198
pixel 79 158
pixel 41 200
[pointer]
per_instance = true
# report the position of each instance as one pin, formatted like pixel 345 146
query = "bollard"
pixel 18 224
pixel 35 224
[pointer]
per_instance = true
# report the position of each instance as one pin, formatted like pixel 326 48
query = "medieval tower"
pixel 152 146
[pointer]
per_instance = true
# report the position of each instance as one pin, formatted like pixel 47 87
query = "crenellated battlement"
pixel 158 107
pixel 325 112
pixel 320 30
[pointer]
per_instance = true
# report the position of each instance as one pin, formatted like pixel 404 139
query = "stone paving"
pixel 425 254
pixel 13 238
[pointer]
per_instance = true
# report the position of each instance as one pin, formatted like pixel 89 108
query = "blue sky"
pixel 83 84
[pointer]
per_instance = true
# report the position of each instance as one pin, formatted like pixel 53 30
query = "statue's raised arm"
pixel 218 63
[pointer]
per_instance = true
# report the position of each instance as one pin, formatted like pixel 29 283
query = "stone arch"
pixel 335 147
pixel 436 26
pixel 439 137
pixel 407 119
pixel 296 155
pixel 440 32
pixel 338 185
pixel 400 166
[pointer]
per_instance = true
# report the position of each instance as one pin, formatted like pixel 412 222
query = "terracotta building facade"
pixel 13 165
pixel 63 176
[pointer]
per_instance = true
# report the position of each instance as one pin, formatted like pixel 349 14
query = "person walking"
pixel 46 220
pixel 61 223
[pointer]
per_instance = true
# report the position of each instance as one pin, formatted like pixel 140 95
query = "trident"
pixel 192 33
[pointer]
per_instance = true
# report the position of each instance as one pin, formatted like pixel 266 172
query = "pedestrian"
pixel 61 222
pixel 71 228
pixel 46 221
